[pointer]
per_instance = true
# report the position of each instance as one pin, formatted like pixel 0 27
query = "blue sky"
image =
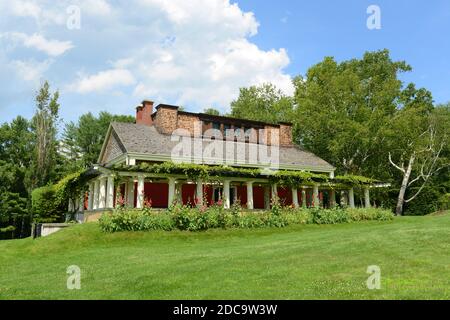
pixel 198 53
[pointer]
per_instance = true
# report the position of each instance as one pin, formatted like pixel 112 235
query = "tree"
pixel 44 126
pixel 263 103
pixel 212 111
pixel 85 138
pixel 15 160
pixel 420 136
pixel 343 109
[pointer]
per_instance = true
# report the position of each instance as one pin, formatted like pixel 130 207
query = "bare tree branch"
pixel 402 169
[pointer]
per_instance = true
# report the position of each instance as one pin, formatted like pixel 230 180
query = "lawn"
pixel 297 262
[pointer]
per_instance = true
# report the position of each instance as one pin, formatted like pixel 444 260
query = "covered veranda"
pixel 112 188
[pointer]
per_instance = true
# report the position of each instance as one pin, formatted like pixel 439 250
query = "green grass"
pixel 297 262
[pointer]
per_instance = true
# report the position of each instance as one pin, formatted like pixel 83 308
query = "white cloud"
pixel 30 70
pixel 102 81
pixel 194 53
pixel 37 41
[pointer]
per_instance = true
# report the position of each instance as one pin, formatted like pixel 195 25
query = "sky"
pixel 110 55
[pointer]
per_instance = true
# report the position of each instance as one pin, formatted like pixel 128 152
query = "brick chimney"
pixel 144 113
pixel 286 134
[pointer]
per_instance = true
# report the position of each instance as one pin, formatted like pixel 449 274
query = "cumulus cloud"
pixel 30 70
pixel 193 53
pixel 102 81
pixel 39 42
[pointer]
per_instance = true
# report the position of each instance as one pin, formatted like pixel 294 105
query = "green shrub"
pixel 444 202
pixel 426 202
pixel 198 219
pixel 45 205
pixel 136 220
pixel 329 216
pixel 361 214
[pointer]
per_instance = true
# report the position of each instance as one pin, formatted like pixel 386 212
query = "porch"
pixel 138 190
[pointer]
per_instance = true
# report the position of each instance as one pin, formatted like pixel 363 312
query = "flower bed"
pixel 198 219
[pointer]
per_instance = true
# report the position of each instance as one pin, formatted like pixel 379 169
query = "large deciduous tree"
pixel 263 103
pixel 343 109
pixel 420 142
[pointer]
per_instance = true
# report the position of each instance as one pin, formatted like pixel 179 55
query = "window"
pixel 237 132
pixel 216 125
pixel 227 130
pixel 247 134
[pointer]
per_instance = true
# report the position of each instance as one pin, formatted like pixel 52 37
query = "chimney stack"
pixel 144 113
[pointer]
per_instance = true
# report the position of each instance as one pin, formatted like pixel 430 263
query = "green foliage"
pixel 212 111
pixel 296 178
pixel 136 220
pixel 49 203
pixel 213 173
pixel 84 139
pixel 426 202
pixel 444 202
pixel 354 180
pixel 70 187
pixel 263 103
pixel 44 125
pixel 347 106
pixel 200 219
pixel 45 205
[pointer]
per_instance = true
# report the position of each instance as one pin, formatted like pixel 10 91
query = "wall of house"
pixel 112 149
pixel 166 119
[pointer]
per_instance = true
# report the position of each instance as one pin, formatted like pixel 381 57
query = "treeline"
pixel 34 154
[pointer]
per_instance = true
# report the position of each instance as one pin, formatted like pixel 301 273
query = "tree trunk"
pixel 401 194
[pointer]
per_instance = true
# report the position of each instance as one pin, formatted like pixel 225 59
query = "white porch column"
pixel 332 198
pixel 343 199
pixel 81 203
pixel 110 193
pixel 274 193
pixel 351 198
pixel 140 192
pixel 367 197
pixel 130 193
pixel 171 191
pixel 102 194
pixel 179 192
pixel 70 208
pixel 226 194
pixel 96 194
pixel 266 198
pixel 199 192
pixel 295 197
pixel 304 202
pixel 316 196
pixel 91 196
pixel 250 195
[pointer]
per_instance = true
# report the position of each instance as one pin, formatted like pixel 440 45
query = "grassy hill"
pixel 298 262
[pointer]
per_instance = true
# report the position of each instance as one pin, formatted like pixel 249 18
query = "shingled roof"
pixel 146 140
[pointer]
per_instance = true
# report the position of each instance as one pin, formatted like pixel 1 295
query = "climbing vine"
pixel 215 172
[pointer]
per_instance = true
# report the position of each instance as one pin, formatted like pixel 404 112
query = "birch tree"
pixel 421 138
